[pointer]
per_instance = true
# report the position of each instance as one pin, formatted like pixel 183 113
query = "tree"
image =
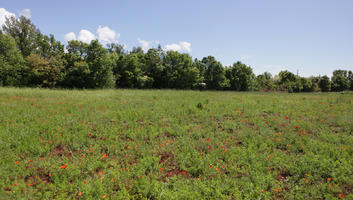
pixel 11 62
pixel 215 74
pixel 265 82
pixel 43 72
pixel 325 84
pixel 288 81
pixel 117 48
pixel 240 77
pixel 24 33
pixel 101 74
pixel 340 80
pixel 350 79
pixel 48 47
pixel 179 71
pixel 127 70
pixel 154 66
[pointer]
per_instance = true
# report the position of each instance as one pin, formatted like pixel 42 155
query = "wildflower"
pixel 341 196
pixel 79 194
pixel 211 166
pixel 287 117
pixel 84 181
pixel 104 155
pixel 102 178
pixel 208 139
pixel 30 160
pixel 266 122
pixel 105 196
pixel 278 189
pixel 17 162
pixel 329 179
pixel 161 169
pixel 64 166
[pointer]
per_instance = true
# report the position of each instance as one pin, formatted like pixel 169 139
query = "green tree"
pixel 11 62
pixel 154 66
pixel 24 33
pixel 265 82
pixel 350 80
pixel 128 70
pixel 100 65
pixel 43 72
pixel 325 84
pixel 240 77
pixel 180 71
pixel 215 74
pixel 340 80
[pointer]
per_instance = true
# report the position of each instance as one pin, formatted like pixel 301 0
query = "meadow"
pixel 172 144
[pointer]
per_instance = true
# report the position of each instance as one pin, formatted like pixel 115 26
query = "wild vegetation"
pixel 29 58
pixel 167 144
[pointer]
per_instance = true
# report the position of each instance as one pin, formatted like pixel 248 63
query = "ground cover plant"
pixel 166 144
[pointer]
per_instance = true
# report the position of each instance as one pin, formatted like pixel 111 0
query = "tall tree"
pixel 11 62
pixel 340 80
pixel 240 76
pixel 24 33
pixel 325 84
pixel 215 74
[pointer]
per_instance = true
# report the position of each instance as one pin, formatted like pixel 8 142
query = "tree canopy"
pixel 31 59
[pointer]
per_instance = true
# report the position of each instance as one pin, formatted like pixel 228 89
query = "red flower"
pixel 278 189
pixel 287 117
pixel 64 166
pixel 210 166
pixel 208 139
pixel 342 196
pixel 266 122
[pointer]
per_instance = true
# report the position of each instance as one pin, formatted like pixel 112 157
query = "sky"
pixel 308 37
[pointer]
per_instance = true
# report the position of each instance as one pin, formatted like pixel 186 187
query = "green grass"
pixel 165 144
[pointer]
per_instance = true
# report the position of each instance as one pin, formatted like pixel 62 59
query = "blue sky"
pixel 312 36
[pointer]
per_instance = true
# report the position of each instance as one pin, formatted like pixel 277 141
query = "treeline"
pixel 29 58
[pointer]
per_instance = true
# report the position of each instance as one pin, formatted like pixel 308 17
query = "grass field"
pixel 165 144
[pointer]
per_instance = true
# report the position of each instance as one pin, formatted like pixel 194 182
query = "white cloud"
pixel 107 35
pixel 85 36
pixel 26 13
pixel 3 14
pixel 182 46
pixel 70 36
pixel 145 45
pixel 172 47
pixel 185 46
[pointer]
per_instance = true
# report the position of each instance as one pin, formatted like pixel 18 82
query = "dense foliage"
pixel 29 58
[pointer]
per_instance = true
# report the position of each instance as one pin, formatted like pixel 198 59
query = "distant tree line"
pixel 29 58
